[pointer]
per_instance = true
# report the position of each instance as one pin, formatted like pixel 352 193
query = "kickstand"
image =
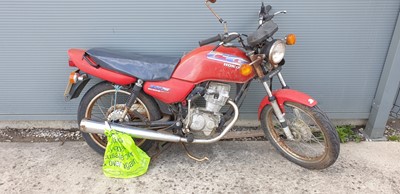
pixel 160 148
pixel 193 157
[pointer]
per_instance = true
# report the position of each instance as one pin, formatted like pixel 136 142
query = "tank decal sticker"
pixel 158 88
pixel 226 58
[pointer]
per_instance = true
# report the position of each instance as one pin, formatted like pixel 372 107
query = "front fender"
pixel 284 95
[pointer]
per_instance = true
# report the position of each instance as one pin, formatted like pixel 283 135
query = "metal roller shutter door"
pixel 338 59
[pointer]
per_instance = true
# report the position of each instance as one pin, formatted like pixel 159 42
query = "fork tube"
pixel 284 86
pixel 278 112
pixel 269 93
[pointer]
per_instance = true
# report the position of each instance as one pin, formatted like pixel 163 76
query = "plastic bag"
pixel 122 158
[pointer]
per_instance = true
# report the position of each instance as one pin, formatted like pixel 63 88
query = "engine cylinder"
pixel 216 96
pixel 206 120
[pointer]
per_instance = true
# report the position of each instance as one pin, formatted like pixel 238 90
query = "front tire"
pixel 316 143
pixel 103 102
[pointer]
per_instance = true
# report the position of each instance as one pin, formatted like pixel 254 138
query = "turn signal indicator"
pixel 246 69
pixel 73 77
pixel 291 39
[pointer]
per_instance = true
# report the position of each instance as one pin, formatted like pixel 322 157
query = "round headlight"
pixel 277 52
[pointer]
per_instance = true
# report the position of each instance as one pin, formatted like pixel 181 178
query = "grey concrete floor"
pixel 234 167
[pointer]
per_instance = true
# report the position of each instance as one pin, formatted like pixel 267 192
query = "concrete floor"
pixel 234 167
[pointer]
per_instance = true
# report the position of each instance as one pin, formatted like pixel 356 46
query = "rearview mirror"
pixel 216 15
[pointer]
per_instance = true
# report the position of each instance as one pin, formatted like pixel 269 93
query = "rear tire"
pixel 98 142
pixel 316 132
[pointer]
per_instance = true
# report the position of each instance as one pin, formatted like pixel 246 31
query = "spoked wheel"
pixel 103 102
pixel 316 143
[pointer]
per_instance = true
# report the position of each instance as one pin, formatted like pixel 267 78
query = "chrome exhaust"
pixel 90 126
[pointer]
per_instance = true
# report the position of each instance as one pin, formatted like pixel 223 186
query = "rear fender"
pixel 284 95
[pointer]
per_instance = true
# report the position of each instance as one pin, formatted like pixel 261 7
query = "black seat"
pixel 145 67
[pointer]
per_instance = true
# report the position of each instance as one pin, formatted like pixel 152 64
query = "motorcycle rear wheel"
pixel 98 103
pixel 316 143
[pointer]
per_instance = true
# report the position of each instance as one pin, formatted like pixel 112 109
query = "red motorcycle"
pixel 189 99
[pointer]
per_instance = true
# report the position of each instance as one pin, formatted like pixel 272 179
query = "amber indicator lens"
pixel 72 77
pixel 246 69
pixel 291 39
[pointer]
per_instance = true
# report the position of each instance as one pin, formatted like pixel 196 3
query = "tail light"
pixel 71 63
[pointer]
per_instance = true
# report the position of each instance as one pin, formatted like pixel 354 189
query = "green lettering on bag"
pixel 122 158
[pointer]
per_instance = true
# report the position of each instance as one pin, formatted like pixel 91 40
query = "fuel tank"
pixel 204 64
pixel 201 64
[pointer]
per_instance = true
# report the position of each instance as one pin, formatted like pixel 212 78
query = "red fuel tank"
pixel 204 64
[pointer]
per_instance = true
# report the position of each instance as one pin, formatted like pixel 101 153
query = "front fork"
pixel 276 108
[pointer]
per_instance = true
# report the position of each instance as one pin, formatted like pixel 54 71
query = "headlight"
pixel 277 52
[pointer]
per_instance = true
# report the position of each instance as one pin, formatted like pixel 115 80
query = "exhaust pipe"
pixel 90 126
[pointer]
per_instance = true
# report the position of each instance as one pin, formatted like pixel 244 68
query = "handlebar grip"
pixel 216 38
pixel 230 38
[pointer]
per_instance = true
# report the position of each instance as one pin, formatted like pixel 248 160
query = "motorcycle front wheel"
pixel 315 144
pixel 103 102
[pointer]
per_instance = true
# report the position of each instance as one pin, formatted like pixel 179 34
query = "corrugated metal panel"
pixel 341 48
pixel 395 111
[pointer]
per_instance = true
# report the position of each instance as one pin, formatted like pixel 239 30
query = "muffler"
pixel 99 127
pixel 90 126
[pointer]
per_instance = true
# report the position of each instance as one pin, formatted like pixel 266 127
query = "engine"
pixel 206 119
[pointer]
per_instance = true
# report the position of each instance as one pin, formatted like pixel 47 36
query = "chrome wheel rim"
pixel 110 102
pixel 309 142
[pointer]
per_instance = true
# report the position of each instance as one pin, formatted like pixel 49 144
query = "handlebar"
pixel 216 38
pixel 220 37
